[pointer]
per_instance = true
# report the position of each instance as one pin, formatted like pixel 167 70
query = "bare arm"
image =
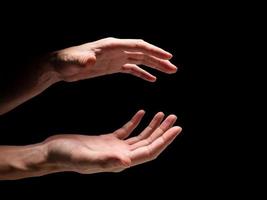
pixel 102 57
pixel 35 79
pixel 23 161
pixel 111 152
pixel 89 154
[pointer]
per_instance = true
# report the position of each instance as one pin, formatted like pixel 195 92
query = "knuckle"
pixel 131 70
pixel 126 69
pixel 110 38
pixel 139 43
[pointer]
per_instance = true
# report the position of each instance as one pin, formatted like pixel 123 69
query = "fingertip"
pixel 166 55
pixel 160 113
pixel 174 132
pixel 172 116
pixel 169 55
pixel 151 79
pixel 142 111
pixel 172 70
pixel 178 129
pixel 139 115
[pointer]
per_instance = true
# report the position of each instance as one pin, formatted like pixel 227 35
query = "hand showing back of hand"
pixel 108 56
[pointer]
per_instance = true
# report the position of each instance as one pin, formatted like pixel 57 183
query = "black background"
pixel 197 161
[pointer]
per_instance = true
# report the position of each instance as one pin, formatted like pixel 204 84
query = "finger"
pixel 155 122
pixel 166 124
pixel 127 129
pixel 142 46
pixel 152 151
pixel 151 61
pixel 139 72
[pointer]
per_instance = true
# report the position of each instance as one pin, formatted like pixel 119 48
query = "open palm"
pixel 115 151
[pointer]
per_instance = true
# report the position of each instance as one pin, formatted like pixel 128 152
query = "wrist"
pixel 57 157
pixel 48 68
pixel 63 65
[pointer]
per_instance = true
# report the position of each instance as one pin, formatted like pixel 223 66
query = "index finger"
pixel 137 45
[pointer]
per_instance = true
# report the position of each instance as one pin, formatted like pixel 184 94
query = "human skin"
pixel 110 152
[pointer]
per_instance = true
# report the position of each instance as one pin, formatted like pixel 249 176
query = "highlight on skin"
pixel 111 152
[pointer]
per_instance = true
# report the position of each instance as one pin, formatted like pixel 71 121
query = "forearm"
pixel 35 79
pixel 18 162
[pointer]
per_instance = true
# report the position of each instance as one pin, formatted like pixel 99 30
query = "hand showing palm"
pixel 113 152
pixel 111 55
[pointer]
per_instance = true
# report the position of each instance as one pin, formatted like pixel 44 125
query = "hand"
pixel 108 56
pixel 112 152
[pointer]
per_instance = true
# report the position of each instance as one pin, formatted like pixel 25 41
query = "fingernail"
pixel 170 55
